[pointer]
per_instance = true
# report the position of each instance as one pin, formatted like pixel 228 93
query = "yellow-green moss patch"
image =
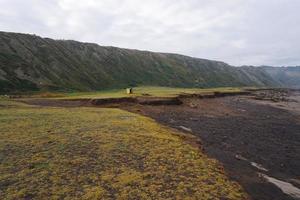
pixel 93 153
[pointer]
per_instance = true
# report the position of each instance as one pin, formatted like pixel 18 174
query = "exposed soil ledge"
pixel 154 101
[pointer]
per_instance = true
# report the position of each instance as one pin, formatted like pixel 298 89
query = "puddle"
pixel 185 128
pixel 254 164
pixel 258 166
pixel 286 187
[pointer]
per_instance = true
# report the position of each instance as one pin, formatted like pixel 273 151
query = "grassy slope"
pixel 88 153
pixel 30 63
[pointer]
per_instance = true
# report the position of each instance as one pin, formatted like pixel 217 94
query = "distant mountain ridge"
pixel 30 63
pixel 286 76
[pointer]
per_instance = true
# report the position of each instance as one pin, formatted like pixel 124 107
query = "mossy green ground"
pixel 137 91
pixel 152 91
pixel 99 153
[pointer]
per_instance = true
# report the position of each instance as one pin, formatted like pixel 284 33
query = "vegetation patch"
pixel 142 91
pixel 88 153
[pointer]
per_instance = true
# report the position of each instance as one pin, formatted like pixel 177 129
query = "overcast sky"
pixel 239 32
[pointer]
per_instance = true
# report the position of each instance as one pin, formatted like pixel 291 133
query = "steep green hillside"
pixel 287 76
pixel 29 62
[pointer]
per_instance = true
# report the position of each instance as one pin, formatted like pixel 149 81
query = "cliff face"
pixel 29 62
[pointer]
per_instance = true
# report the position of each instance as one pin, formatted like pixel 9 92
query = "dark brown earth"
pixel 240 130
pixel 263 127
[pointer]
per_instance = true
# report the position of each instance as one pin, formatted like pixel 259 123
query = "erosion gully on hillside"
pixel 255 136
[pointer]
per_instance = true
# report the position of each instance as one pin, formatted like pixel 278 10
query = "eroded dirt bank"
pixel 249 135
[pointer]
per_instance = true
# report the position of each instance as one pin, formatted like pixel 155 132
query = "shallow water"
pixel 286 187
pixel 258 166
